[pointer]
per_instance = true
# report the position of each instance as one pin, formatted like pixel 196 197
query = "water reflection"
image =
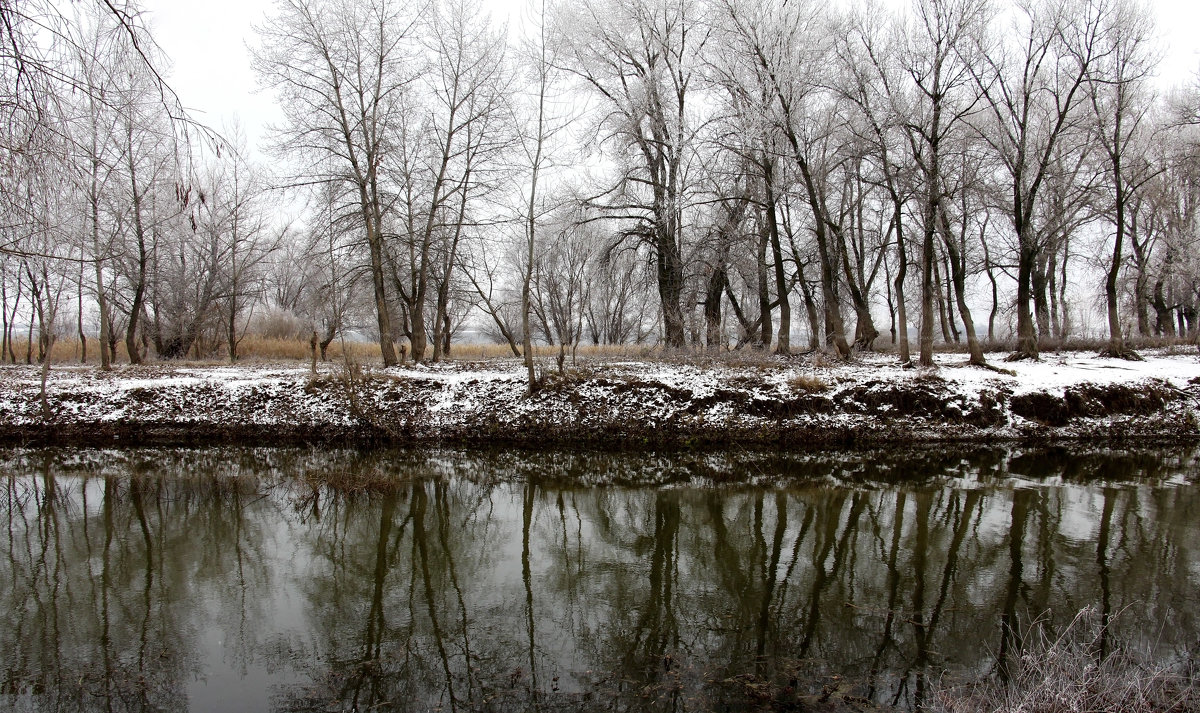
pixel 230 580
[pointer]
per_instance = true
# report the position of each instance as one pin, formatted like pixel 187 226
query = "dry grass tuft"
pixel 1065 673
pixel 808 384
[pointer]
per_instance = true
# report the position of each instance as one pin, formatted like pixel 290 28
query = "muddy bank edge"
pixel 608 409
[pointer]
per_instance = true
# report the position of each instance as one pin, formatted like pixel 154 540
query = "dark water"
pixel 232 580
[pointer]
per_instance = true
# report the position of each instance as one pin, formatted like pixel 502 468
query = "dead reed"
pixel 1081 669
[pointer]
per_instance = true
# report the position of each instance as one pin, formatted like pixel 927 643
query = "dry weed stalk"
pixel 1082 669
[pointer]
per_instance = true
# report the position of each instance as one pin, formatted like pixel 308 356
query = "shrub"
pixel 1067 673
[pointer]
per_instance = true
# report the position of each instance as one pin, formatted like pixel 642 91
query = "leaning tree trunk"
pixel 956 255
pixel 834 324
pixel 139 291
pixel 781 286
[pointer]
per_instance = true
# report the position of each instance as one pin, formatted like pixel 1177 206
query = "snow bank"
pixel 794 403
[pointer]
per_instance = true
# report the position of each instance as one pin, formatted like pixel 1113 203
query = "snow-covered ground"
pixel 795 402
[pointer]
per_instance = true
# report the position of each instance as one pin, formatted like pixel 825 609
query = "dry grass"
pixel 808 384
pixel 276 349
pixel 273 349
pixel 588 352
pixel 252 348
pixel 65 351
pixel 1064 673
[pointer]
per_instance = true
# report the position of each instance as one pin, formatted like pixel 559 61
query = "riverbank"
pixel 796 403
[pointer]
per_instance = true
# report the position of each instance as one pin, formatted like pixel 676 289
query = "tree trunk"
pixel 865 332
pixel 531 220
pixel 1116 340
pixel 891 302
pixel 928 293
pixel 79 318
pixel 765 323
pixel 991 276
pixel 231 327
pixel 810 307
pixel 46 413
pixel 139 293
pixel 781 285
pixel 1027 343
pixel 901 273
pixel 834 325
pixel 1041 303
pixel 5 333
pixel 105 338
pixel 946 306
pixel 670 278
pixel 928 288
pixel 956 256
pixel 131 342
pixel 1141 300
pixel 713 338
pixel 383 317
pixel 112 338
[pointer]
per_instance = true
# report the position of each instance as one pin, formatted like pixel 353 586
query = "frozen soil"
pixel 801 402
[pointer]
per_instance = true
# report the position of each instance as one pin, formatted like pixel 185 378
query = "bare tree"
pixel 1120 101
pixel 452 131
pixel 539 131
pixel 873 82
pixel 340 70
pixel 785 49
pixel 942 53
pixel 233 212
pixel 641 61
pixel 1034 79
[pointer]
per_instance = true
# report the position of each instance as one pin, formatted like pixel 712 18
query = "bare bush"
pixel 1082 669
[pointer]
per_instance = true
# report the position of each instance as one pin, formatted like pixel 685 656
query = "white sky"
pixel 208 45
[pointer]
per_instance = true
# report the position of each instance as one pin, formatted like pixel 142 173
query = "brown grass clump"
pixel 1080 670
pixel 808 384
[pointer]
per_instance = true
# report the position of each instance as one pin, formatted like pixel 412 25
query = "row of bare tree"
pixel 115 204
pixel 611 171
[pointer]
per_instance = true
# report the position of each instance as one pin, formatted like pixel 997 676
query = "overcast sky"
pixel 208 45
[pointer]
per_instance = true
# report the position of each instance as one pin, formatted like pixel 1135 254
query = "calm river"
pixel 237 580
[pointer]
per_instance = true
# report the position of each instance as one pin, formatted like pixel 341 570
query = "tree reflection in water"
pixel 238 580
